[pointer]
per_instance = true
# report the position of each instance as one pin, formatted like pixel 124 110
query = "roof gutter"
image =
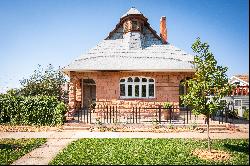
pixel 67 71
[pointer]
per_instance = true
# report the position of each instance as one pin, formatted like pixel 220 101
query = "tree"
pixel 208 86
pixel 48 83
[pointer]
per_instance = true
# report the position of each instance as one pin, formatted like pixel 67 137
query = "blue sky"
pixel 36 32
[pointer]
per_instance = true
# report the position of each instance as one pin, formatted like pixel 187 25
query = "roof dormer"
pixel 133 21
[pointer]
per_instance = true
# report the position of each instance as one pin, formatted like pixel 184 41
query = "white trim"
pixel 238 79
pixel 140 88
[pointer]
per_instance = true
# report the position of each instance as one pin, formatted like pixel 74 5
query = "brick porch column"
pixel 78 93
pixel 72 93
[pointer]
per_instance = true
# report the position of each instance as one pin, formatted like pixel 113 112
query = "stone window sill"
pixel 151 98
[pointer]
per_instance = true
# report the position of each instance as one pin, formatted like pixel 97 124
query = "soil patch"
pixel 213 155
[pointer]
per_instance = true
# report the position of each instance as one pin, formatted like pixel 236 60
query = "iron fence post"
pixel 170 114
pixel 116 114
pixel 81 115
pixel 110 114
pixel 139 114
pixel 107 114
pixel 78 116
pixel 159 114
pixel 87 115
pixel 135 114
pixel 90 115
pixel 113 113
pixel 84 115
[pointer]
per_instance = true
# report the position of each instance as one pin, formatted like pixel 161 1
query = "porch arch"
pixel 88 92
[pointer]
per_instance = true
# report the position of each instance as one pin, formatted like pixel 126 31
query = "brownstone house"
pixel 132 66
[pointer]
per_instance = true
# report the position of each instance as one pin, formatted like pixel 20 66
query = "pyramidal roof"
pixel 133 51
pixel 132 10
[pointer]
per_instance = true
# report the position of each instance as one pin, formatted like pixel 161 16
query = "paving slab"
pixel 87 134
pixel 44 154
pixel 26 134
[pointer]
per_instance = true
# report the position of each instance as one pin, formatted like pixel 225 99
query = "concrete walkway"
pixel 44 154
pixel 87 134
pixel 59 140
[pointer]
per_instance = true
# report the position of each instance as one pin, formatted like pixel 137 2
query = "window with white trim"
pixel 137 87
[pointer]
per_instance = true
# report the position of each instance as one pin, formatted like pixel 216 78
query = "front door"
pixel 89 92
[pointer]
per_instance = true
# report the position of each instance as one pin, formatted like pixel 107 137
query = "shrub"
pixel 246 114
pixel 46 82
pixel 167 105
pixel 31 110
pixel 233 113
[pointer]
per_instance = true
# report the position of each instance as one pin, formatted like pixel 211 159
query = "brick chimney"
pixel 163 30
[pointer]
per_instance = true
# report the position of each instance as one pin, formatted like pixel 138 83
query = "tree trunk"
pixel 208 137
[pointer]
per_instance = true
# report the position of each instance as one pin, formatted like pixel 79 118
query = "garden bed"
pixel 20 128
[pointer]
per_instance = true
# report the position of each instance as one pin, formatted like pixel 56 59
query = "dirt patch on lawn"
pixel 216 155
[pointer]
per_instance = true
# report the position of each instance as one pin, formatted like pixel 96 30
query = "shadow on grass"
pixel 244 147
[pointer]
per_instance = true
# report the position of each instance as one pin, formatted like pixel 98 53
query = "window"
pixel 122 87
pixel 137 87
pixel 237 103
pixel 135 25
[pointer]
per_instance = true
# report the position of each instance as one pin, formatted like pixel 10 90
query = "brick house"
pixel 132 66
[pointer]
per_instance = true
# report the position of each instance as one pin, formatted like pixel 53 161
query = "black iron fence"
pixel 228 115
pixel 138 115
pixel 118 114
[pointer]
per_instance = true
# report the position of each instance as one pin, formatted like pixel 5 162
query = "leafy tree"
pixel 46 82
pixel 13 91
pixel 208 86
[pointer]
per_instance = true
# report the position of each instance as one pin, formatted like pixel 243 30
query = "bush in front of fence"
pixel 246 114
pixel 32 110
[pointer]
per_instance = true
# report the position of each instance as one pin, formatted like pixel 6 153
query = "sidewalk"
pixel 44 154
pixel 87 134
pixel 57 141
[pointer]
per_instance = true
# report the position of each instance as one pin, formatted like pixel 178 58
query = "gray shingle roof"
pixel 132 10
pixel 113 55
pixel 132 51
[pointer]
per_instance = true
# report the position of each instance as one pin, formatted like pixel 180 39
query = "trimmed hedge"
pixel 33 110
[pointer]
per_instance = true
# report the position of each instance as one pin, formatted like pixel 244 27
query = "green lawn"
pixel 13 149
pixel 95 151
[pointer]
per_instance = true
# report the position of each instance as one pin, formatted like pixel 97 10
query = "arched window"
pixel 137 87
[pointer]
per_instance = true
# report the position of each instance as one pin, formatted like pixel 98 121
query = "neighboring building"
pixel 132 66
pixel 241 80
pixel 240 95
